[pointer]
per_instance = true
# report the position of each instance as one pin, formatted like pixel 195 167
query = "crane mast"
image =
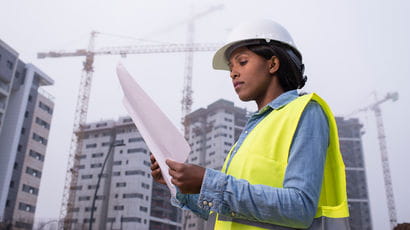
pixel 388 185
pixel 80 117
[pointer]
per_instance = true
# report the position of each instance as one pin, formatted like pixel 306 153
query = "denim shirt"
pixel 295 204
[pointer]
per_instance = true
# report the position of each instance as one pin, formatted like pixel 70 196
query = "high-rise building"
pixel 127 198
pixel 350 133
pixel 25 119
pixel 211 134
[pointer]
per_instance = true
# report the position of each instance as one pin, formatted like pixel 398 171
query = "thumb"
pixel 172 164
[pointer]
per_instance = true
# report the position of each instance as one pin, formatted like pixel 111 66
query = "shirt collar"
pixel 280 101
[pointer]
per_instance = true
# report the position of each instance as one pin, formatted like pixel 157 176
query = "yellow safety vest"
pixel 266 149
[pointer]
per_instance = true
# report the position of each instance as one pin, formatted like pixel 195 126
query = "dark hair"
pixel 290 75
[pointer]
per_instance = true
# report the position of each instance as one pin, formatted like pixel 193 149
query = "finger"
pixel 173 164
pixel 157 173
pixel 152 158
pixel 154 166
pixel 173 173
pixel 176 182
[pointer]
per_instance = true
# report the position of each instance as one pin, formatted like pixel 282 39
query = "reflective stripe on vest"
pixel 266 149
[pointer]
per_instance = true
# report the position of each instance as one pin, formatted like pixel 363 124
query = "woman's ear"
pixel 274 65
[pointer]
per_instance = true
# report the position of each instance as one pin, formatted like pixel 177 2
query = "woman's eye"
pixel 243 62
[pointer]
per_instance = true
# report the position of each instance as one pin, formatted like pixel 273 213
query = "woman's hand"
pixel 156 171
pixel 187 177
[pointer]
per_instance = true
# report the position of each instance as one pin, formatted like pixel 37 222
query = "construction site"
pixel 72 158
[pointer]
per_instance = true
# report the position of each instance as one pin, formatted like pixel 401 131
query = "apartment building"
pixel 25 119
pixel 350 135
pixel 211 134
pixel 127 197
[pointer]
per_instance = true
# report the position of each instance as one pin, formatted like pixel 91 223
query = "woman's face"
pixel 251 74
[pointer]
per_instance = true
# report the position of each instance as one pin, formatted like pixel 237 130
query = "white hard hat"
pixel 258 29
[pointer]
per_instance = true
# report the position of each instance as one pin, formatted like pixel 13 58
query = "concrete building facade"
pixel 350 135
pixel 127 198
pixel 211 134
pixel 26 113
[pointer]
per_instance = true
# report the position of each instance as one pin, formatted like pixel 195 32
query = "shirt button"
pixel 205 202
pixel 210 204
pixel 246 131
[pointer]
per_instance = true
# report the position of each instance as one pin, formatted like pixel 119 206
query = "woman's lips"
pixel 238 84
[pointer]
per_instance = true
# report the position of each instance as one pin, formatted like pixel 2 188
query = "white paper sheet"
pixel 162 138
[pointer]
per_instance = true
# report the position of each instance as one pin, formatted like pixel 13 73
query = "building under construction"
pixel 114 189
pixel 350 135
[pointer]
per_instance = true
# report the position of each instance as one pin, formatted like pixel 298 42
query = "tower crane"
pixel 83 100
pixel 375 107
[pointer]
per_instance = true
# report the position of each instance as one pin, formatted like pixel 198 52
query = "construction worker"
pixel 286 170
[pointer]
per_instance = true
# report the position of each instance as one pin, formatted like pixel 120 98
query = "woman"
pixel 286 170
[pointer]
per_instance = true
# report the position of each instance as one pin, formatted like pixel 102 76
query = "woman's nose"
pixel 234 74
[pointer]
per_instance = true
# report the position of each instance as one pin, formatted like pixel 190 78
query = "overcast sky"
pixel 351 49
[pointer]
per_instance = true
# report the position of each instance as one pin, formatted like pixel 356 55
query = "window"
pixel 42 123
pixel 132 195
pixel 117 162
pixel 36 155
pixel 29 189
pixel 83 198
pixel 88 209
pixel 137 150
pixel 144 185
pixel 89 176
pixel 93 186
pixel 95 155
pixel 78 187
pixel 80 166
pixel 116 173
pixel 131 219
pixel 39 139
pixel 143 209
pixel 97 165
pixel 147 163
pixel 105 144
pixel 134 172
pixel 89 146
pixel 33 172
pixel 45 108
pixel 121 184
pixel 127 120
pixel 74 209
pixel 119 207
pixel 27 207
pixel 86 220
pixel 9 64
pixel 135 139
